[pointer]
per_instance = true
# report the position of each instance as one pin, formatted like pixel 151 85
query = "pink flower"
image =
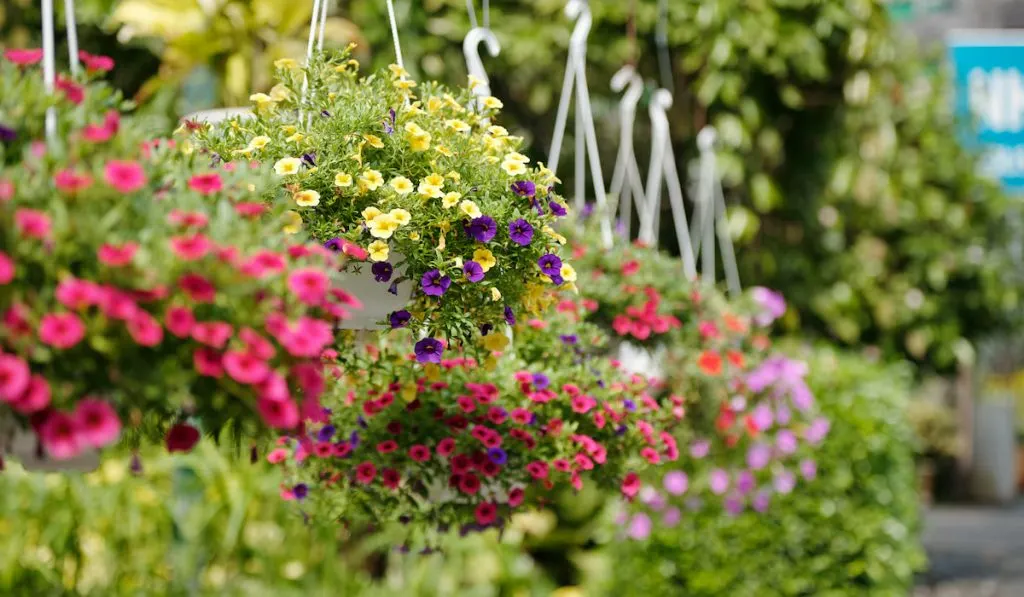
pixel 116 304
pixel 309 285
pixel 190 248
pixel 486 513
pixel 390 478
pixel 198 288
pixel 279 414
pixel 249 209
pixel 74 92
pixel 36 397
pixel 24 56
pixel 262 263
pixel 179 321
pixel 516 497
pixel 274 387
pixel 126 177
pixel 277 455
pixel 245 368
pixel 32 223
pixel 6 189
pixel 445 447
pixel 419 453
pixel 207 362
pixel 188 219
pixel 6 269
pixel 77 294
pixel 622 325
pixel 61 330
pixel 96 422
pixel 117 256
pixel 310 378
pixel 212 333
pixel 59 436
pixel 181 438
pixel 538 469
pixel 366 472
pixel 650 455
pixel 71 182
pixel 309 337
pixel 95 62
pixel 259 346
pixel 206 184
pixel 583 404
pixel 145 329
pixel 14 377
pixel 630 485
pixel 95 133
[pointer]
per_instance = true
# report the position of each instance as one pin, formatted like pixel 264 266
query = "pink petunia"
pixel 117 255
pixel 206 184
pixel 190 248
pixel 69 181
pixel 188 219
pixel 145 329
pixel 212 333
pixel 630 485
pixel 446 447
pixel 77 294
pixel 14 377
pixel 486 513
pixel 36 397
pixel 366 472
pixel 274 387
pixel 277 455
pixel 59 435
pixel 256 344
pixel 126 177
pixel 32 223
pixel 61 330
pixel 96 62
pixel 309 285
pixel 279 414
pixel 6 189
pixel 24 56
pixel 179 321
pixel 97 423
pixel 249 209
pixel 208 362
pixel 74 92
pixel 245 368
pixel 198 288
pixel 6 269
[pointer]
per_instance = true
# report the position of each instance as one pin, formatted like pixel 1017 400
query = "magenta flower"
pixel 521 232
pixel 772 303
pixel 473 270
pixel 786 442
pixel 761 501
pixel 550 264
pixel 784 482
pixel 640 527
pixel 808 469
pixel 745 482
pixel 96 423
pixel 434 284
pixel 817 431
pixel 718 481
pixel 758 456
pixel 429 350
pixel 482 229
pixel 700 448
pixel 671 517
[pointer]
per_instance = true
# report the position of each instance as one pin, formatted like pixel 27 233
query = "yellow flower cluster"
pixel 514 164
pixel 383 225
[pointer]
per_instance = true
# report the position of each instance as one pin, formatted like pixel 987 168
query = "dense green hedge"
pixel 851 532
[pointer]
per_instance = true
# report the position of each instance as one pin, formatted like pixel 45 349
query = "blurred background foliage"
pixel 837 147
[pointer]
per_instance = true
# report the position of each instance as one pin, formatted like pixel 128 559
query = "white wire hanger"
pixel 709 217
pixel 49 59
pixel 471 48
pixel 586 135
pixel 627 183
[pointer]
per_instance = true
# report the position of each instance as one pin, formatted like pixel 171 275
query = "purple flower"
pixel 762 417
pixel 300 491
pixel 786 442
pixel 7 134
pixel 718 481
pixel 760 501
pixel 784 482
pixel 817 431
pixel 640 527
pixel 510 317
pixel 521 232
pixel 309 158
pixel 389 127
pixel 550 264
pixel 486 329
pixel 428 350
pixel 473 270
pixel 524 188
pixel 325 113
pixel 399 319
pixel 393 289
pixel 557 208
pixel 629 405
pixel 676 482
pixel 588 209
pixel 326 433
pixel 497 456
pixel 434 284
pixel 783 415
pixel 382 271
pixel 745 482
pixel 809 469
pixel 700 448
pixel 772 304
pixel 734 505
pixel 671 517
pixel 557 280
pixel 651 498
pixel 334 244
pixel 540 381
pixel 569 339
pixel 758 456
pixel 482 229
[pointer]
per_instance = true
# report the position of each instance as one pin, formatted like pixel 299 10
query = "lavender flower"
pixel 550 265
pixel 786 442
pixel 745 482
pixel 482 229
pixel 718 481
pixel 760 501
pixel 817 431
pixel 524 188
pixel 700 448
pixel 557 208
pixel 784 482
pixel 640 526
pixel 734 505
pixel 510 317
pixel 671 517
pixel 809 469
pixel 335 244
pixel 428 350
pixel 399 319
pixel 389 127
pixel 474 271
pixel 772 303
pixel 382 271
pixel 758 456
pixel 521 232
pixel 434 284
pixel 676 482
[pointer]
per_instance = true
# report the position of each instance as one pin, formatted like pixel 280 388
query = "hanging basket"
pixel 219 115
pixel 376 296
pixel 644 361
pixel 24 447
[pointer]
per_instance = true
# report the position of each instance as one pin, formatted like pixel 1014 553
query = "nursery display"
pixel 457 223
pixel 142 288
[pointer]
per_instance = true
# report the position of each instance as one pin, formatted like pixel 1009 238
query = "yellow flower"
pixel 492 103
pixel 470 209
pixel 451 199
pixel 434 104
pixel 400 216
pixel 414 235
pixel 404 84
pixel 429 191
pixel 435 179
pixel 491 159
pixel 383 226
pixel 497 131
pixel 378 250
pixel 458 126
pixel 475 82
pixel 280 92
pixel 517 157
pixel 292 222
pixel 262 101
pixel 370 213
pixel 409 393
pixel 307 198
pixel 286 63
pixel 296 138
pixel 495 342
pixel 548 230
pixel 432 372
pixel 413 129
pixel 397 71
pixel 454 176
pixel 259 142
pixel 495 144
pixel 374 141
pixel 495 294
pixel 413 109
pixel 371 180
pixel 342 180
pixel 441 149
pixel 441 242
pixel 568 273
pixel 547 177
pixel 513 168
pixel 402 185
pixel 451 103
pixel 419 143
pixel 287 166
pixel 186 147
pixel 288 129
pixel 485 258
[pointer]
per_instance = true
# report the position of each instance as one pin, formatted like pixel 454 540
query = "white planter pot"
pixel 219 114
pixel 23 446
pixel 636 359
pixel 378 303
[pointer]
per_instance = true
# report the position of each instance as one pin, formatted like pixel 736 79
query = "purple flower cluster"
pixel 482 229
pixel 435 284
pixel 521 232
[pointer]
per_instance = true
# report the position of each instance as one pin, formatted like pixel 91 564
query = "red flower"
pixel 538 469
pixel 516 497
pixel 95 62
pixel 366 472
pixel 387 446
pixel 181 438
pixel 419 453
pixel 469 483
pixel 390 478
pixel 486 513
pixel 710 362
pixel 736 358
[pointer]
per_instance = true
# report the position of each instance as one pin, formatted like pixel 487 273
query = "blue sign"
pixel 988 65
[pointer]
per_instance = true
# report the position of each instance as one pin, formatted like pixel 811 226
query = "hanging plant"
pixel 136 288
pixel 456 222
pixel 459 442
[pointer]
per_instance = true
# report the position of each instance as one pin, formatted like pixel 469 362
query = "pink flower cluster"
pixel 642 321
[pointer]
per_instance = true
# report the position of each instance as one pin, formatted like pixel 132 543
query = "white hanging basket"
pixel 23 446
pixel 219 115
pixel 636 359
pixel 378 303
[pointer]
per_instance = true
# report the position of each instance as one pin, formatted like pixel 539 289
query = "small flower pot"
pixel 378 301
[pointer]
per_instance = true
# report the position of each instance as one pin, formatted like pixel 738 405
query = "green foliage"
pixel 850 532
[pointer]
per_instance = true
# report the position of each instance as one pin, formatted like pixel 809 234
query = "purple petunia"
pixel 510 317
pixel 399 319
pixel 521 232
pixel 7 134
pixel 497 456
pixel 434 284
pixel 300 491
pixel 550 264
pixel 326 433
pixel 309 158
pixel 772 303
pixel 473 270
pixel 382 271
pixel 524 188
pixel 429 350
pixel 557 208
pixel 541 381
pixel 482 229
pixel 569 339
pixel 335 244
pixel 760 501
pixel 393 289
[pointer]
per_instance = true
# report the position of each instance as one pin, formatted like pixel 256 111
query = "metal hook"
pixel 709 216
pixel 474 64
pixel 626 167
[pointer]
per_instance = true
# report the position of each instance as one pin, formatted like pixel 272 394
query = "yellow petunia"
pixel 397 71
pixel 259 142
pixel 547 177
pixel 186 147
pixel 292 222
pixel 287 166
pixel 548 230
pixel 485 258
pixel 286 63
pixel 492 103
pixel 307 198
pixel 517 157
pixel 419 143
pixel 382 226
pixel 497 131
pixel 414 235
pixel 401 185
pixel 404 84
pixel 280 92
pixel 434 104
pixel 374 141
pixel 400 216
pixel 413 129
pixel 470 209
pixel 295 138
pixel 452 103
pixel 513 168
pixel 370 213
pixel 495 342
pixel 429 191
pixel 262 101
pixel 567 272
pixel 378 250
pixel 458 126
pixel 451 199
pixel 435 179
pixel 455 176
pixel 474 82
pixel 371 180
pixel 495 294
pixel 342 180
pixel 443 150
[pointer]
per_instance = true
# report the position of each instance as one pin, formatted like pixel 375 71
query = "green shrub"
pixel 851 532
